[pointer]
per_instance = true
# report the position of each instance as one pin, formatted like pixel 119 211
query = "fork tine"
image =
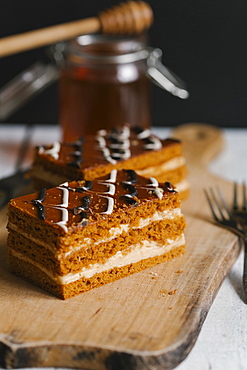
pixel 235 197
pixel 217 204
pixel 211 205
pixel 221 212
pixel 244 197
pixel 223 201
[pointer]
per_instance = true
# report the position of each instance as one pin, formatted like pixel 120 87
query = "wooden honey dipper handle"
pixel 131 17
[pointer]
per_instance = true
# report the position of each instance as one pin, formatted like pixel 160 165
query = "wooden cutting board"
pixel 146 321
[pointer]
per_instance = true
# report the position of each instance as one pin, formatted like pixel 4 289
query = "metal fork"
pixel 221 212
pixel 240 212
pixel 226 218
pixel 241 215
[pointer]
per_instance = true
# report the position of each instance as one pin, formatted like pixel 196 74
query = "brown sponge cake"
pixel 84 234
pixel 121 148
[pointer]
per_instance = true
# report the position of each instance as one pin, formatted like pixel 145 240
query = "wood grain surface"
pixel 149 320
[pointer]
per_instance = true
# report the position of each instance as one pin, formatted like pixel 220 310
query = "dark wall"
pixel 204 42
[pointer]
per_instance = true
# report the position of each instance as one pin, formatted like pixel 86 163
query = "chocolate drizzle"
pixel 87 186
pixel 129 186
pixel 137 130
pixel 80 211
pixel 85 203
pixel 116 144
pixel 170 187
pixel 118 148
pixel 132 190
pixel 65 206
pixel 75 159
pixel 38 204
pixel 77 154
pixel 128 199
pixel 132 177
pixel 152 143
pixel 53 151
pixel 120 154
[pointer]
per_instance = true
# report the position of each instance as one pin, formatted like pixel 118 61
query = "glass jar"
pixel 104 83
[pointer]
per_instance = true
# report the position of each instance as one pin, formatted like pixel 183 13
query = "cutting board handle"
pixel 201 142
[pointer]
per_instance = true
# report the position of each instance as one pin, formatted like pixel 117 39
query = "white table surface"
pixel 222 342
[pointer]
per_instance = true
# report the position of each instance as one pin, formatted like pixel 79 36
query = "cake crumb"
pixel 172 292
pixel 179 272
pixel 163 292
pixel 154 274
pixel 170 308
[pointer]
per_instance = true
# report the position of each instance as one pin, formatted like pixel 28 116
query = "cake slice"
pixel 84 234
pixel 121 148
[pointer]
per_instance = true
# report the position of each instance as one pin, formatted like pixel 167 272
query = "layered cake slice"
pixel 84 234
pixel 122 148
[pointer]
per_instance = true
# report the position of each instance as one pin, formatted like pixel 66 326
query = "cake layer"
pixel 82 254
pixel 37 276
pixel 96 156
pixel 132 254
pixel 86 233
pixel 86 242
pixel 64 212
pixel 172 171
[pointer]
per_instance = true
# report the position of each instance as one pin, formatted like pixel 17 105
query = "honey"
pixel 103 84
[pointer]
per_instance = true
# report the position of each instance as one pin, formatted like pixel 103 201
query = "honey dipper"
pixel 130 17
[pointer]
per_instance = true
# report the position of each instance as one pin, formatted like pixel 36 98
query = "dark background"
pixel 203 41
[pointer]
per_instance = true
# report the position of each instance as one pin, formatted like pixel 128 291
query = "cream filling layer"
pixel 114 232
pixel 40 173
pixel 133 254
pixel 170 165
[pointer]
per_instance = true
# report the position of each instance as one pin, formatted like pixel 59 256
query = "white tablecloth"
pixel 222 342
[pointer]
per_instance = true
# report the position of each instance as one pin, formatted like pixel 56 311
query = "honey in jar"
pixel 103 84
